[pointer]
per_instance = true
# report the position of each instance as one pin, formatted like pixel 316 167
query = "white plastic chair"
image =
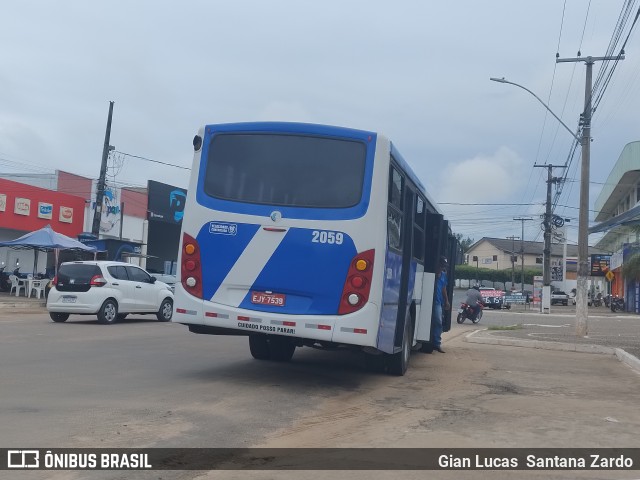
pixel 38 287
pixel 15 284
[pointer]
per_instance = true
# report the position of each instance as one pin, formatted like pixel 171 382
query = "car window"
pixel 138 275
pixel 77 273
pixel 118 271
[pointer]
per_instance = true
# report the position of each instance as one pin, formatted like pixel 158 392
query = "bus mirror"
pixel 197 143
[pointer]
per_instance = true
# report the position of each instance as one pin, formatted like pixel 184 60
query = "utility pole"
pixel 100 188
pixel 522 219
pixel 546 265
pixel 513 259
pixel 583 218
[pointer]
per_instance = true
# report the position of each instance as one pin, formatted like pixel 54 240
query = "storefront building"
pixel 25 208
pixel 140 225
pixel 618 214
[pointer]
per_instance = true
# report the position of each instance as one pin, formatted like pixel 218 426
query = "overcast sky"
pixel 417 71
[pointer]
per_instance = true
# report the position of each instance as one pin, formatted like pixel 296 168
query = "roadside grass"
pixel 506 327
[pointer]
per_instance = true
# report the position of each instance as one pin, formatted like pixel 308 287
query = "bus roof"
pixel 290 127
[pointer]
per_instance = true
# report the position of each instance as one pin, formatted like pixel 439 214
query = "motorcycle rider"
pixel 474 299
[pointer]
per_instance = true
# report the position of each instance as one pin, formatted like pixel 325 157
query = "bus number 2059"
pixel 321 236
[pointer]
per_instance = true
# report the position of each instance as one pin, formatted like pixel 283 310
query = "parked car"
pixel 573 298
pixel 559 297
pixel 491 297
pixel 170 280
pixel 110 290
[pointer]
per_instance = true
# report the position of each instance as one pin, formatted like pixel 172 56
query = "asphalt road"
pixel 121 385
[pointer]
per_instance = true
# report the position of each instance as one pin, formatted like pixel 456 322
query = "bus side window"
pixel 418 229
pixel 394 210
pixel 395 188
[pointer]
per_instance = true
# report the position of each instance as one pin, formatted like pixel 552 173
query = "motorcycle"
pixel 597 302
pixel 5 283
pixel 466 312
pixel 617 303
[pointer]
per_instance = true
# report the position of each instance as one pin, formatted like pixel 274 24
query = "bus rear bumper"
pixel 358 328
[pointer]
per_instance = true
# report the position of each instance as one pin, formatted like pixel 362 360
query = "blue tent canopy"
pixel 46 239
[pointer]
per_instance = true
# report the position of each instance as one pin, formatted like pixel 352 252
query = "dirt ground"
pixel 477 396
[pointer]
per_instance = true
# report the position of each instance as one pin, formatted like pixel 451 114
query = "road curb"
pixel 628 359
pixel 623 356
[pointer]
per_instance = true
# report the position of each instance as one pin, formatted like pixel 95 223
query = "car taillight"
pixel 191 268
pixel 358 283
pixel 97 281
pixel 54 282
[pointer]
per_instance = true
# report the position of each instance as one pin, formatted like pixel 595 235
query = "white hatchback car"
pixel 110 290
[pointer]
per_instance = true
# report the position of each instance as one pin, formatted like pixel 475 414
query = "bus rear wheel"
pixel 281 349
pixel 398 363
pixel 259 347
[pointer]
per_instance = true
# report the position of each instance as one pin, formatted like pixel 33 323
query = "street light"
pixel 503 80
pixel 583 239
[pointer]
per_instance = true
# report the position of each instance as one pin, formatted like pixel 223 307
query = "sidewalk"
pixel 11 303
pixel 608 333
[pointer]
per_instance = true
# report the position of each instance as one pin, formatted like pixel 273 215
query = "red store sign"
pixel 27 208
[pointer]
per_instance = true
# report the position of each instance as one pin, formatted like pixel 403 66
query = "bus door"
pixel 407 275
pixel 435 225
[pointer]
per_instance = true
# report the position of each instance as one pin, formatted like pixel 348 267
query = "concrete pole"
pixel 522 219
pixel 513 263
pixel 145 239
pixel 583 217
pixel 102 179
pixel 564 257
pixel 582 310
pixel 546 267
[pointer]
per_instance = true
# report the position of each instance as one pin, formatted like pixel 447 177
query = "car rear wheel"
pixel 108 312
pixel 59 317
pixel 166 310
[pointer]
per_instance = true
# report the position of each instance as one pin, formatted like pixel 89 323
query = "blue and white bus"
pixel 309 235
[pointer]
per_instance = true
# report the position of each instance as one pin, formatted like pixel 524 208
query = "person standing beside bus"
pixel 442 302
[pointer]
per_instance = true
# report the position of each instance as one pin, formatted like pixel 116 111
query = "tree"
pixel 631 268
pixel 464 243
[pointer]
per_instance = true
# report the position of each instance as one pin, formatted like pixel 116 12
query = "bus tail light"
pixel 191 268
pixel 358 283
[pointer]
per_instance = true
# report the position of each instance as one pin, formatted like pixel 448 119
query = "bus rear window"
pixel 287 170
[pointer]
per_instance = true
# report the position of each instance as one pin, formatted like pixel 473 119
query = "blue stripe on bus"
pixel 219 252
pixel 311 275
pixel 357 211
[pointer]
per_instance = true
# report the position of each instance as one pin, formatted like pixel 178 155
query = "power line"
pixel 154 161
pixel 488 204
